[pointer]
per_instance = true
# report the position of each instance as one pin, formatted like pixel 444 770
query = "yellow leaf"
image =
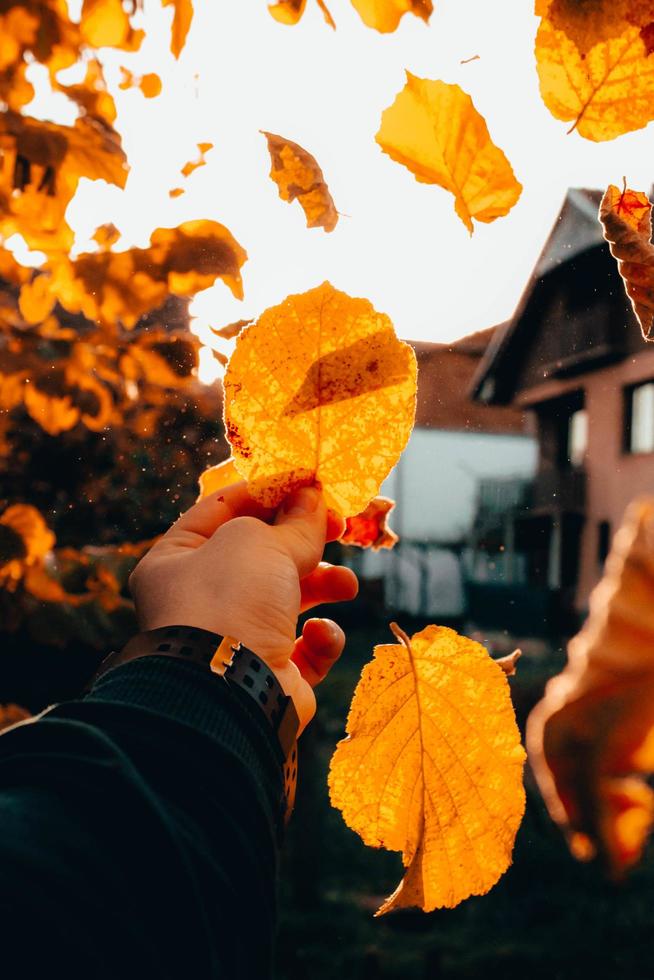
pixel 298 176
pixel 105 23
pixel 192 165
pixel 217 478
pixel 432 766
pixel 588 23
pixel 626 217
pixel 290 11
pixel 591 738
pixel 319 390
pixel 604 93
pixel 435 131
pixel 385 15
pixel 182 17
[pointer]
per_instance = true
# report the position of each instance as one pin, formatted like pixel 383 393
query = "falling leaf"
pixel 231 330
pixel 149 84
pixel 385 15
pixel 217 478
pixel 192 165
pixel 10 714
pixel 627 220
pixel 370 529
pixel 299 177
pixel 176 192
pixel 605 92
pixel 435 131
pixel 432 766
pixel 589 23
pixel 182 17
pixel 591 738
pixel 106 24
pixel 123 286
pixel 290 11
pixel 319 390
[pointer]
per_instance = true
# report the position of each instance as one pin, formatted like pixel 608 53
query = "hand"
pixel 233 567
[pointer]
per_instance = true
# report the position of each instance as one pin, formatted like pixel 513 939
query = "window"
pixel 640 418
pixel 577 437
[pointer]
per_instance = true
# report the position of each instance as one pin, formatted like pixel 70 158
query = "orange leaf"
pixel 435 131
pixel 182 17
pixel 25 539
pixel 432 766
pixel 369 529
pixel 591 738
pixel 231 330
pixel 299 177
pixel 319 390
pixel 40 167
pixel 192 165
pixel 149 84
pixel 605 92
pixel 588 24
pixel 176 192
pixel 217 478
pixel 105 24
pixel 385 15
pixel 627 220
pixel 123 286
pixel 290 11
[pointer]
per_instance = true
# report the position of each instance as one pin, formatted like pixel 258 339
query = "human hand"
pixel 233 567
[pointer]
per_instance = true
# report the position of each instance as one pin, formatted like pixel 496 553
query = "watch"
pixel 234 665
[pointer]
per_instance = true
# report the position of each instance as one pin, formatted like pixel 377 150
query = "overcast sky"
pixel 399 243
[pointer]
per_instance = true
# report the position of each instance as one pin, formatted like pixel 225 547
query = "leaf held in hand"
pixel 626 217
pixel 435 131
pixel 370 529
pixel 432 766
pixel 319 391
pixel 591 738
pixel 217 477
pixel 299 177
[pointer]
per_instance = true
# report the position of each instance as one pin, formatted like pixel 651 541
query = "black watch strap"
pixel 235 666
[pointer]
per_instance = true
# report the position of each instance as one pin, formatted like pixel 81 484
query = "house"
pixel 456 444
pixel 573 357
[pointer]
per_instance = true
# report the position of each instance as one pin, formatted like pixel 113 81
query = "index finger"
pixel 207 515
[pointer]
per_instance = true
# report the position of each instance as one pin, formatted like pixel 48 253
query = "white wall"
pixel 435 482
pixel 435 489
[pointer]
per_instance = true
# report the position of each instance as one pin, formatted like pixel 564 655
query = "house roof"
pixel 575 231
pixel 445 374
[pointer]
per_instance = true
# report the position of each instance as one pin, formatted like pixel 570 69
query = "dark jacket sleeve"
pixel 139 830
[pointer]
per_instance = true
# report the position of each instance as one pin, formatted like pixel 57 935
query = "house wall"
pixel 435 488
pixel 614 477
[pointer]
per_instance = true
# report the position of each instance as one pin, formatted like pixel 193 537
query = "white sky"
pixel 401 244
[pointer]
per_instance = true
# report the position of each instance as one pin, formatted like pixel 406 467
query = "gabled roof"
pixel 576 230
pixel 445 373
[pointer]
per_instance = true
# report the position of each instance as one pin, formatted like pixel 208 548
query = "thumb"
pixel 301 528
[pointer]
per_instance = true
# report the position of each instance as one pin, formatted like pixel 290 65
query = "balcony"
pixel 559 490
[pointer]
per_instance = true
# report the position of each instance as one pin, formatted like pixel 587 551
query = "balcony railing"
pixel 559 490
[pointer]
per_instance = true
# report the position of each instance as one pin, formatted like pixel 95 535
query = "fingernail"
pixel 302 501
